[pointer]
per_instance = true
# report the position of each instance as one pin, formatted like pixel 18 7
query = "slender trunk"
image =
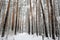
pixel 45 27
pixel 54 18
pixel 52 21
pixel 28 24
pixel 13 20
pixel 4 25
pixel 36 20
pixel 49 19
pixel 16 17
pixel 32 25
pixel 31 17
pixel 16 25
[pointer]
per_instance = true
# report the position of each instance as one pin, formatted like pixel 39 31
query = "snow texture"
pixel 23 36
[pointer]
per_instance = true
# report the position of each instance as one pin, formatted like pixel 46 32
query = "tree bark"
pixel 52 19
pixel 44 20
pixel 4 25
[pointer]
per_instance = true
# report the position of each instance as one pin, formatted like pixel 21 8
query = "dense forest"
pixel 31 16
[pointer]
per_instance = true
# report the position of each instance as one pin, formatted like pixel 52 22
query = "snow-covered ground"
pixel 24 36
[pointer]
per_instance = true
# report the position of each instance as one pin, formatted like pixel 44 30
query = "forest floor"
pixel 24 36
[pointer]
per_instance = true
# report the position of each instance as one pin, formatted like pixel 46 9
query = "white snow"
pixel 24 36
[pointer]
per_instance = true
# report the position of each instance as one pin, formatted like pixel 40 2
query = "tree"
pixel 45 27
pixel 30 27
pixel 36 19
pixel 52 19
pixel 28 24
pixel 16 24
pixel 4 25
pixel 13 19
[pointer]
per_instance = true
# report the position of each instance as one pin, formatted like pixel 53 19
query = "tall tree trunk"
pixel 31 18
pixel 49 17
pixel 13 20
pixel 52 21
pixel 16 17
pixel 44 20
pixel 16 25
pixel 4 25
pixel 28 24
pixel 32 24
pixel 36 20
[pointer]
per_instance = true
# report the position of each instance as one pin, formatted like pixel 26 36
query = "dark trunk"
pixel 44 20
pixel 13 21
pixel 16 25
pixel 52 21
pixel 28 24
pixel 32 24
pixel 4 25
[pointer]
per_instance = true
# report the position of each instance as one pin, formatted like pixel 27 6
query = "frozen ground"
pixel 23 36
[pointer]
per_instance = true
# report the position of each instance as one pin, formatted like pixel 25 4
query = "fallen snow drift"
pixel 24 36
